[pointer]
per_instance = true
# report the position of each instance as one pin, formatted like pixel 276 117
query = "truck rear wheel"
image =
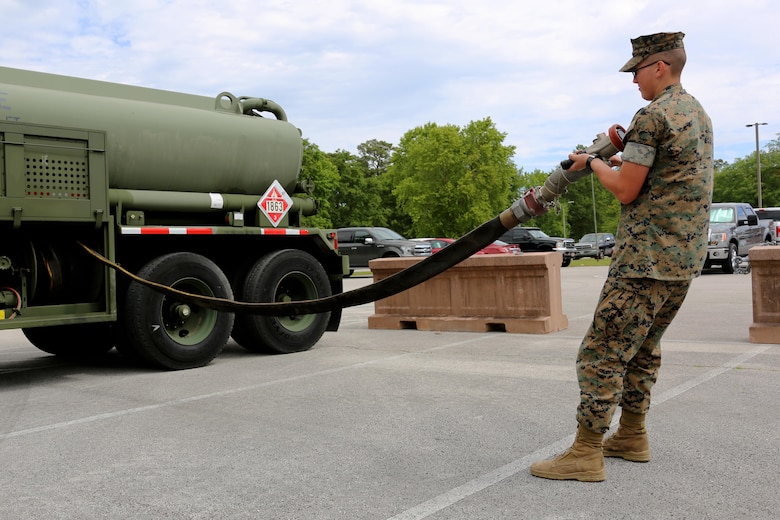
pixel 169 333
pixel 282 276
pixel 81 341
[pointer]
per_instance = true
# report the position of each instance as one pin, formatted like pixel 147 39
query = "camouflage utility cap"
pixel 645 46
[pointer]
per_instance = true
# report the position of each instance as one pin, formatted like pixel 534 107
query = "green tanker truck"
pixel 197 193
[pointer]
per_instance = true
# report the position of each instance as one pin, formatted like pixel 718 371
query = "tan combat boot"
pixel 630 441
pixel 583 461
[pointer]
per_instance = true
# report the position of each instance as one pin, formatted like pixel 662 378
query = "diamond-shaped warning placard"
pixel 275 203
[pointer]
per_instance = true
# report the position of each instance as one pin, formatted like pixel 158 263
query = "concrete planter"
pixel 765 273
pixel 507 293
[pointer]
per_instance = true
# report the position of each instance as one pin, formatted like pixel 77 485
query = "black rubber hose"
pixel 413 275
pixel 533 203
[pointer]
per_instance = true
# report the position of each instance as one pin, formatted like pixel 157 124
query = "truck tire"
pixel 168 333
pixel 731 262
pixel 81 341
pixel 566 261
pixel 284 275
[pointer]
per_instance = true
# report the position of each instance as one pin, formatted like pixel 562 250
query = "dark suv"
pixel 362 244
pixel 533 239
pixel 596 245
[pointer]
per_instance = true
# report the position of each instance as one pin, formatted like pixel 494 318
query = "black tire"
pixel 566 261
pixel 82 341
pixel 285 275
pixel 167 333
pixel 732 261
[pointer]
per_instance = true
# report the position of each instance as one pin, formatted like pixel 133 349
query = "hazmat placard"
pixel 275 203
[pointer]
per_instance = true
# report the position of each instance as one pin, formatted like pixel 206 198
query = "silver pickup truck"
pixel 734 229
pixel 770 218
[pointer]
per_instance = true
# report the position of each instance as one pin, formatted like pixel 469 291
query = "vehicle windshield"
pixel 721 215
pixel 592 237
pixel 538 233
pixel 387 234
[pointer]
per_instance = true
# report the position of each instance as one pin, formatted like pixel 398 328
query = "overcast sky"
pixel 347 71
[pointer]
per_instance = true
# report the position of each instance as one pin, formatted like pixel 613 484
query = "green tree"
pixel 375 158
pixel 450 180
pixel 737 182
pixel 351 202
pixel 317 168
pixel 770 174
pixel 586 193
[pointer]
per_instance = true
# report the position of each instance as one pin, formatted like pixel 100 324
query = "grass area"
pixel 590 261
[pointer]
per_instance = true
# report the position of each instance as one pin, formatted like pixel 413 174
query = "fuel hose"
pixel 394 284
pixel 534 202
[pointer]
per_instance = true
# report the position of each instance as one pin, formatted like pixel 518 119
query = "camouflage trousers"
pixel 620 355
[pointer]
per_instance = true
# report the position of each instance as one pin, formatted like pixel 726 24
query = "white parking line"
pixel 175 402
pixel 476 485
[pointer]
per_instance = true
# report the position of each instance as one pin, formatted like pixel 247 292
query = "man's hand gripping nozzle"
pixel 537 201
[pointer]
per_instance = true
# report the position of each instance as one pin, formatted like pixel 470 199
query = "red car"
pixel 496 248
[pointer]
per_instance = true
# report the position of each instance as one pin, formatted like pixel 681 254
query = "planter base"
pixel 452 324
pixel 484 293
pixel 765 274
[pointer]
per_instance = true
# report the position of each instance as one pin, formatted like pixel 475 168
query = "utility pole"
pixel 758 165
pixel 593 196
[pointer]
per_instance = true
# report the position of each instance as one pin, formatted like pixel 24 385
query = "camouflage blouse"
pixel 663 233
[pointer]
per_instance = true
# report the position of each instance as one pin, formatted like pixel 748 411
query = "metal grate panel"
pixel 56 177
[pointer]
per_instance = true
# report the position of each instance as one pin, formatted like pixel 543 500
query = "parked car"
pixel 595 245
pixel 496 248
pixel 499 247
pixel 770 218
pixel 531 239
pixel 363 244
pixel 437 244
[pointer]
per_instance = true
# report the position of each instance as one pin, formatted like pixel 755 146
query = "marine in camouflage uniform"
pixel 661 245
pixel 660 248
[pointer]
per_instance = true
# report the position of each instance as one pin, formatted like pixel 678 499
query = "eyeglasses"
pixel 648 65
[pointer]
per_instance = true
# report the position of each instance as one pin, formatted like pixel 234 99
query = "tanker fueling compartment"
pixel 192 192
pixel 161 140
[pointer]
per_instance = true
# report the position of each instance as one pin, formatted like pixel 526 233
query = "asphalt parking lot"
pixel 393 424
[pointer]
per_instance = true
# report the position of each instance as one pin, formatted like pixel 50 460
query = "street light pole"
pixel 593 197
pixel 563 213
pixel 758 165
pixel 563 220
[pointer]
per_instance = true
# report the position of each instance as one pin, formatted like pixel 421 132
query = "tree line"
pixel 445 180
